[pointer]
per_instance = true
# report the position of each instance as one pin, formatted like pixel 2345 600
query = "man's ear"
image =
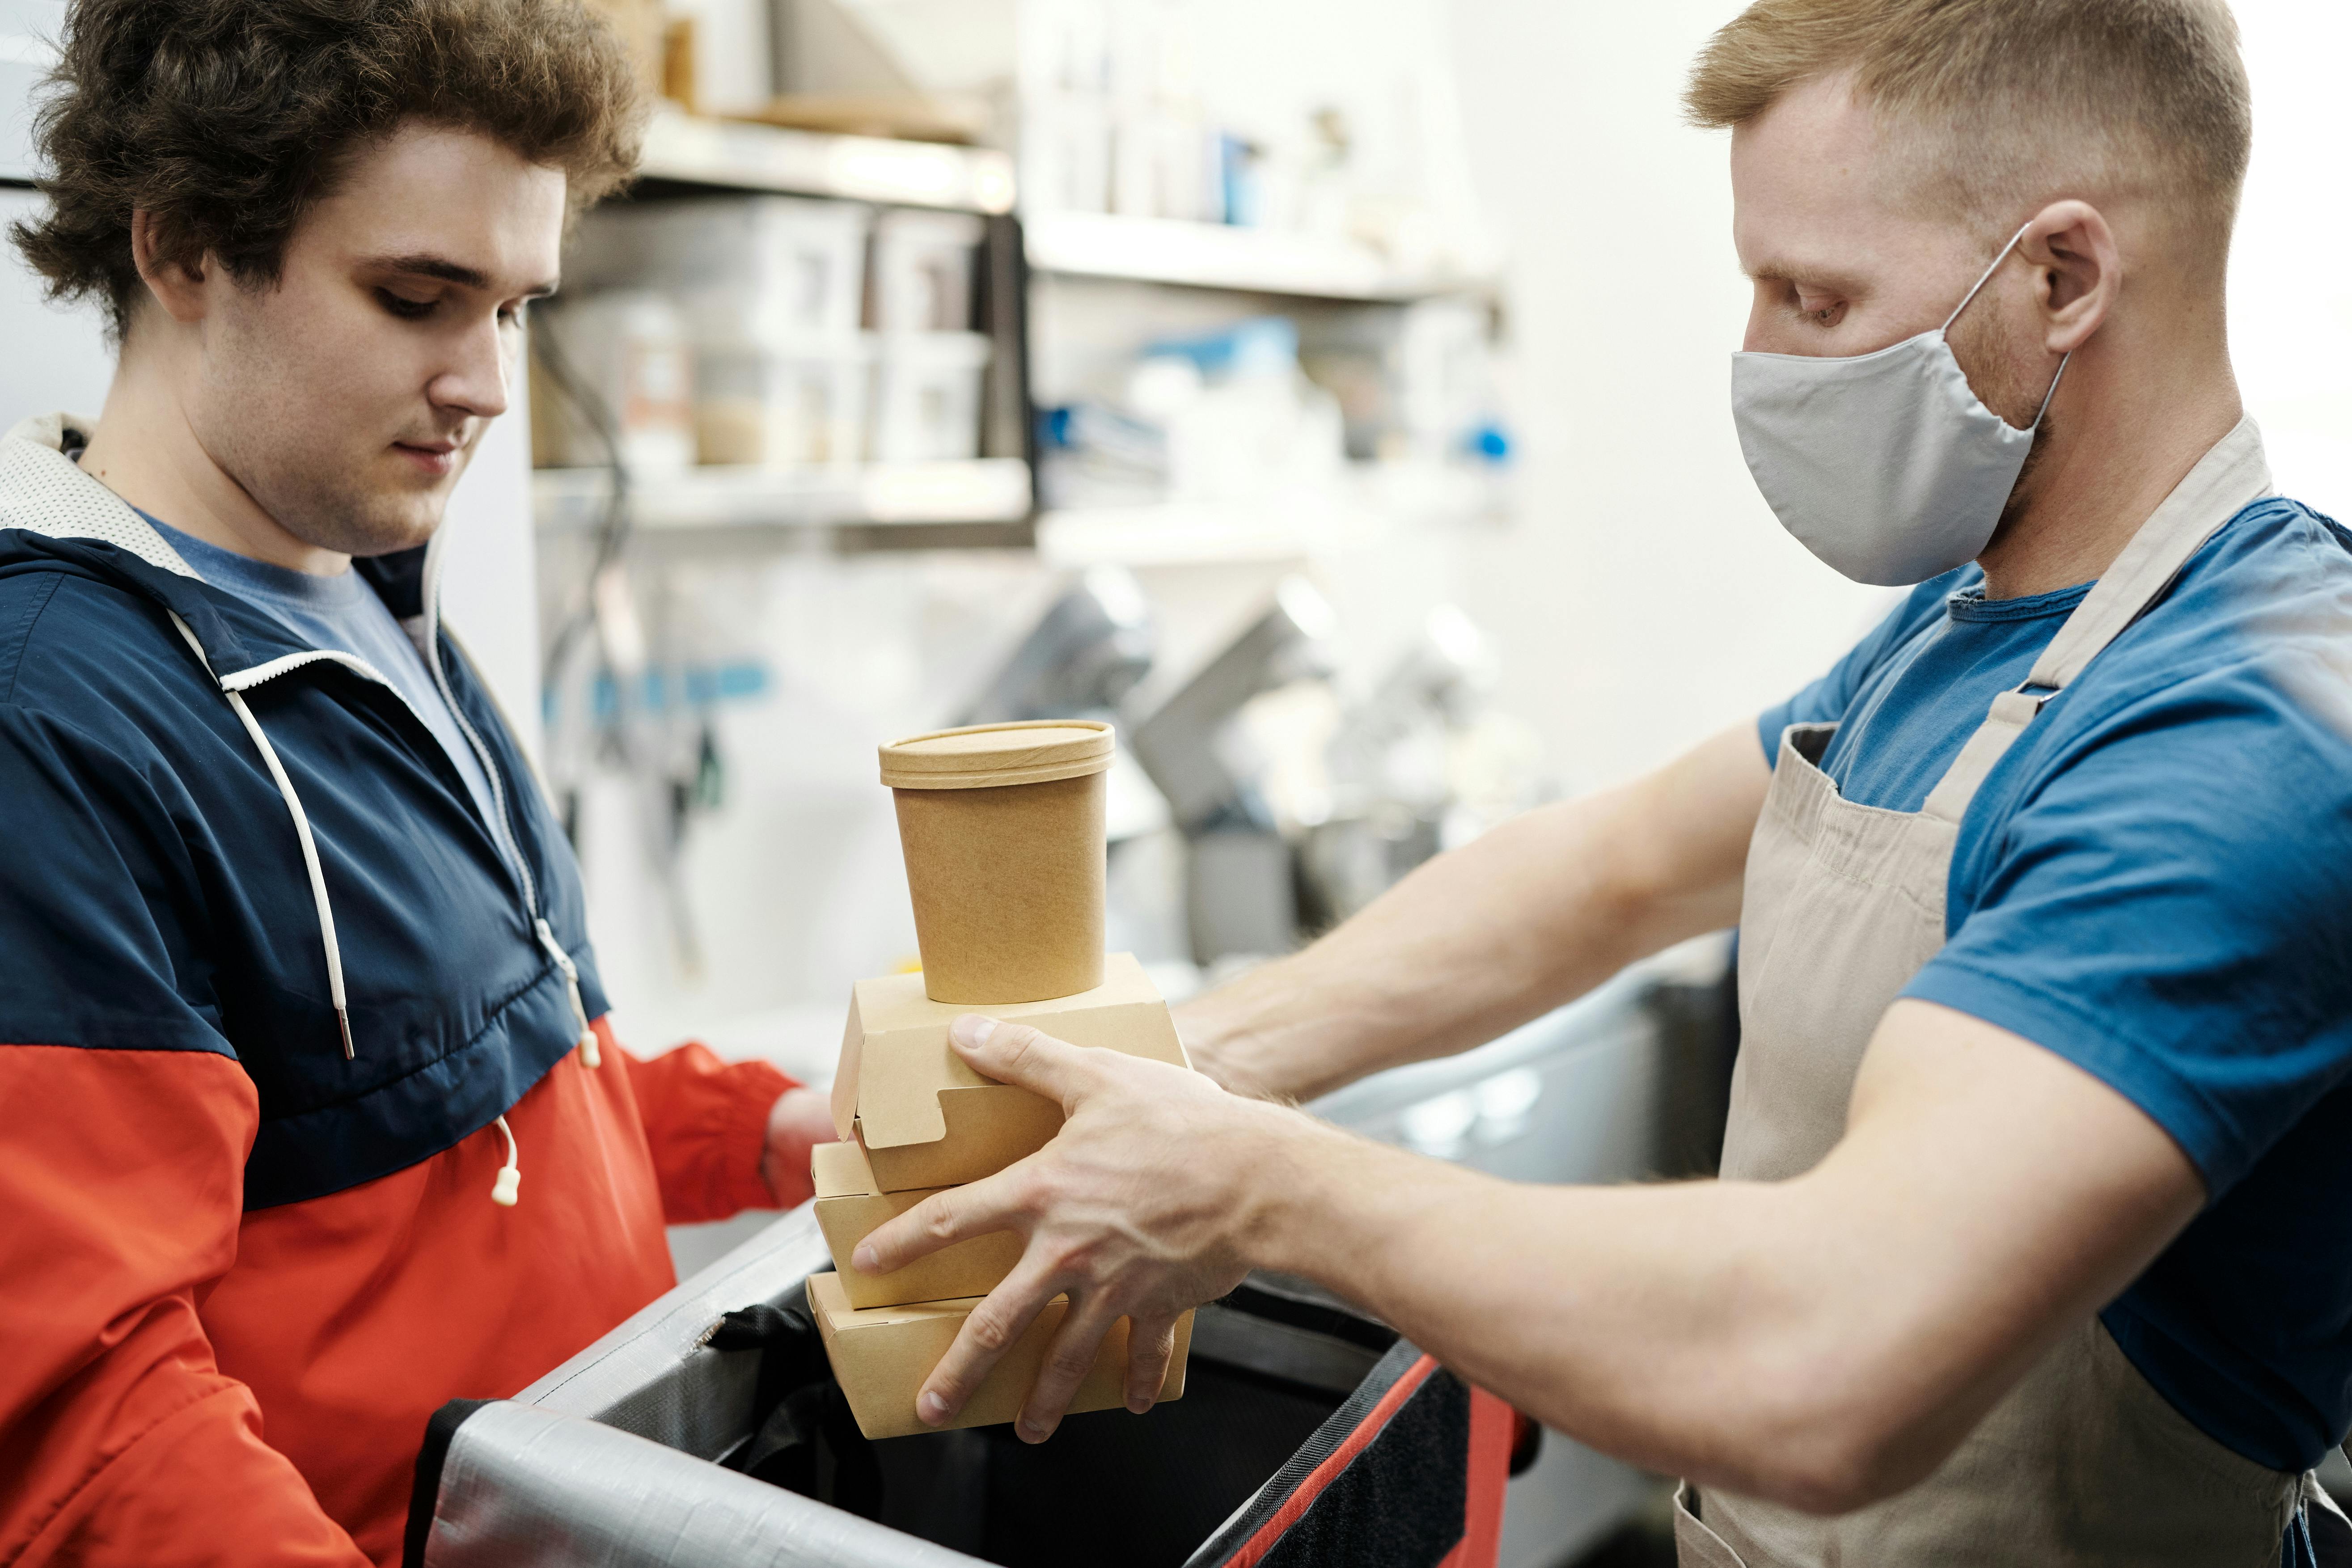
pixel 178 286
pixel 2081 271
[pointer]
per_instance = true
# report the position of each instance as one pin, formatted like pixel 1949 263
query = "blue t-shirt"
pixel 344 614
pixel 2156 883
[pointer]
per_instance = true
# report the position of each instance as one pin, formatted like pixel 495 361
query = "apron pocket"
pixel 1696 1546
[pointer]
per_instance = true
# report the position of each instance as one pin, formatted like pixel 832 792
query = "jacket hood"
pixel 52 516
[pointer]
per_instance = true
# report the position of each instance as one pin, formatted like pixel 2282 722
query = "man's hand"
pixel 801 1118
pixel 1141 1208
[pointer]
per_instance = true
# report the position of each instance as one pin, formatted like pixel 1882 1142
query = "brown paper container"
pixel 926 1119
pixel 883 1356
pixel 850 1207
pixel 1001 827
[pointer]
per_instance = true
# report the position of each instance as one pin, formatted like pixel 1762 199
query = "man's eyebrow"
pixel 1784 271
pixel 423 264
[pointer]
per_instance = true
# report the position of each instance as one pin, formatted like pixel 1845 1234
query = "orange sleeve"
pixel 706 1124
pixel 120 1441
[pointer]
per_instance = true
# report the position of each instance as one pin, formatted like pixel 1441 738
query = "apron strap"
pixel 2230 476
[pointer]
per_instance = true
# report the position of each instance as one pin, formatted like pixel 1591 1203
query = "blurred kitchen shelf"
pixel 979 492
pixel 687 150
pixel 1356 514
pixel 1216 256
pixel 1178 534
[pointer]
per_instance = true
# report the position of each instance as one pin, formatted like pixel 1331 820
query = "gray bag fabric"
pixel 1307 1435
pixel 521 1486
pixel 607 1462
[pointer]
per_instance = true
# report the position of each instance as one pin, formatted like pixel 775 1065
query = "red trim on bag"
pixel 1321 1476
pixel 1493 1428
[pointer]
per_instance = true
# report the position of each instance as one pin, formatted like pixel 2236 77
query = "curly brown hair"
pixel 226 119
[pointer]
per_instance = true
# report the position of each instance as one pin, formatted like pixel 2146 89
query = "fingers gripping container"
pixel 709 1430
pixel 1001 827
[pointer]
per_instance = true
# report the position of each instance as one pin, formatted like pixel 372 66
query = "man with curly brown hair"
pixel 297 976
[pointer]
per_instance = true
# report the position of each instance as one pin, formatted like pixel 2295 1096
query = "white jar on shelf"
pixel 1065 145
pixel 927 393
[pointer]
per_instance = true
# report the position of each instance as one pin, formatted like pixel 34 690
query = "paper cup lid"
pixel 987 756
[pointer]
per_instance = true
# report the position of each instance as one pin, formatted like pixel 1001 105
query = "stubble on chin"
pixel 329 508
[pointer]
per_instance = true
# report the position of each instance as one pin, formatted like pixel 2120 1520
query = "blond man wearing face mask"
pixel 2034 1239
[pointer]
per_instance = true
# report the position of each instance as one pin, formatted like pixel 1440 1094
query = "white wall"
pixel 1647 596
pixel 52 359
pixel 2290 286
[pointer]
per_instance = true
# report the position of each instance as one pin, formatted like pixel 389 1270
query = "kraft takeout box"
pixel 883 1355
pixel 924 1118
pixel 850 1207
pixel 1002 828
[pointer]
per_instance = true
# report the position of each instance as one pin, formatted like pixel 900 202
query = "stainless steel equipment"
pixel 1092 648
pixel 1183 743
pixel 1390 791
pixel 1240 891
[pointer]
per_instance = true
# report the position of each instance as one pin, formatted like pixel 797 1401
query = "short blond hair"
pixel 1995 107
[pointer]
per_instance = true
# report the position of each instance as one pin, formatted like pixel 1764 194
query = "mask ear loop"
pixel 1986 278
pixel 2046 396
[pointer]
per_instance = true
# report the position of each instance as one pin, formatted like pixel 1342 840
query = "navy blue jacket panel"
pixel 155 893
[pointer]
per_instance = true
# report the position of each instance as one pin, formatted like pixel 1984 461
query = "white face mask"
pixel 1885 465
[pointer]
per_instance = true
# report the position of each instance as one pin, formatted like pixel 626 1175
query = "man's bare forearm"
pixel 1476 942
pixel 1810 1341
pixel 1636 1319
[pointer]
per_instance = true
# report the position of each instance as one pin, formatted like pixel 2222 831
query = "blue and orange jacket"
pixel 277 1003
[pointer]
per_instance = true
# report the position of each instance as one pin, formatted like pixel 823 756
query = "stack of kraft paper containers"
pixel 1001 825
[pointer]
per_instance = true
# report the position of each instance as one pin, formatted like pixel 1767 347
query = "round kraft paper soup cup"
pixel 1001 825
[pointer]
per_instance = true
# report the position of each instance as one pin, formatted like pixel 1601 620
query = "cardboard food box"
pixel 849 1208
pixel 883 1355
pixel 1002 828
pixel 926 1119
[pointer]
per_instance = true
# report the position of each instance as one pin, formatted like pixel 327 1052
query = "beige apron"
pixel 2082 1462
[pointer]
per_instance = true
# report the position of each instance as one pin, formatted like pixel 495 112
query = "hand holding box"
pixel 1001 827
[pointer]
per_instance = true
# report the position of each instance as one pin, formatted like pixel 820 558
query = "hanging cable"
pixel 614 529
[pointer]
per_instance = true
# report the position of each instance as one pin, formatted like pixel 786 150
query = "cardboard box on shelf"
pixel 924 1118
pixel 642 26
pixel 850 1207
pixel 883 1355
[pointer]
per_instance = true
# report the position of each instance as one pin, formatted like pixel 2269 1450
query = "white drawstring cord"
pixel 509 1182
pixel 301 831
pixel 509 1185
pixel 590 1056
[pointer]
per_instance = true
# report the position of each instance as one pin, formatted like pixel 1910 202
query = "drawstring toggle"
pixel 590 1056
pixel 504 1191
